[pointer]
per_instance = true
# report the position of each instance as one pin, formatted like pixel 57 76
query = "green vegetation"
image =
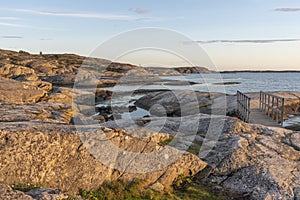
pixel 194 148
pixel 25 187
pixel 167 141
pixel 136 190
pixel 24 53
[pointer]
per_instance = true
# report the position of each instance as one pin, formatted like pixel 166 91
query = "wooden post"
pixel 265 101
pixel 272 107
pixel 260 100
pixel 243 106
pixel 282 112
pixel 277 110
pixel 249 110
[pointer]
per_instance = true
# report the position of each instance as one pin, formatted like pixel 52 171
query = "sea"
pixel 243 81
pixel 227 83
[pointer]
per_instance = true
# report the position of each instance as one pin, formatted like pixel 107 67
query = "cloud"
pixel 247 41
pixel 287 9
pixel 76 15
pixel 46 39
pixel 139 10
pixel 12 37
pixel 10 18
pixel 12 24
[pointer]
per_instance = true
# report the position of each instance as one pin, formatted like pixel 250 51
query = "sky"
pixel 235 34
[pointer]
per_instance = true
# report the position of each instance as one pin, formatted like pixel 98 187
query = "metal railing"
pixel 243 106
pixel 273 106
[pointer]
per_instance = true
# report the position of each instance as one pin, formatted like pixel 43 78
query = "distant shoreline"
pixel 260 71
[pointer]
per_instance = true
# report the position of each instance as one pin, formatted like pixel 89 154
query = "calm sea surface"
pixel 244 81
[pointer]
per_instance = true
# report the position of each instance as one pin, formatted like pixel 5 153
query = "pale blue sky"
pixel 236 34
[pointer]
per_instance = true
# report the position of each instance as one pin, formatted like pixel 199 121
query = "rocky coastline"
pixel 41 142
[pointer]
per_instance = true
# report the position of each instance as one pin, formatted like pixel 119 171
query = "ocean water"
pixel 243 81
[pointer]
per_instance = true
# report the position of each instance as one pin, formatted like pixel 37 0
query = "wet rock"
pixel 132 108
pixel 103 95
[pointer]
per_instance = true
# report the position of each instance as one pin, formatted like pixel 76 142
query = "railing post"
pixel 272 107
pixel 282 112
pixel 264 102
pixel 277 111
pixel 249 110
pixel 243 106
pixel 260 100
pixel 268 106
pixel 238 103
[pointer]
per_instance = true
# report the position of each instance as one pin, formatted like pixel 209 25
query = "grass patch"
pixel 194 148
pixel 119 190
pixel 199 192
pixel 136 190
pixel 26 187
pixel 167 141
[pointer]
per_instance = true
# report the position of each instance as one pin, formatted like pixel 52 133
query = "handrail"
pixel 272 105
pixel 243 106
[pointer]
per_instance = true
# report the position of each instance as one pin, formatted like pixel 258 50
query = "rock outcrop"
pixel 187 102
pixel 178 71
pixel 193 70
pixel 56 156
pixel 250 161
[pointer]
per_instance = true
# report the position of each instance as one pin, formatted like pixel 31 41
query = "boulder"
pixel 187 102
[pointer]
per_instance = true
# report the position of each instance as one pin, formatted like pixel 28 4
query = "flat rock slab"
pixel 15 92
